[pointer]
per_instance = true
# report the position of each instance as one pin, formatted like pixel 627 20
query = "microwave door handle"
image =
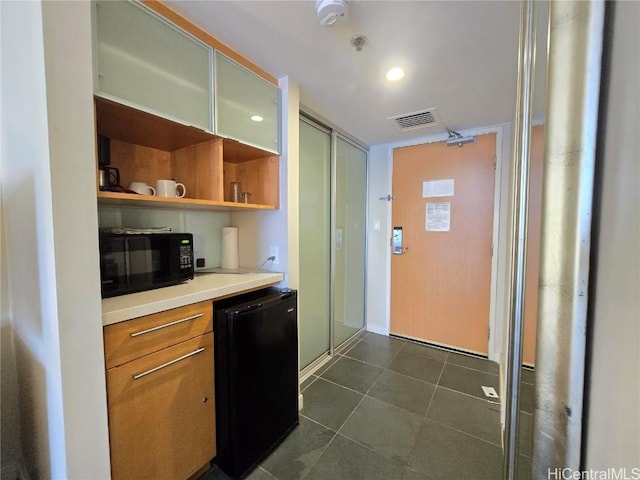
pixel 127 260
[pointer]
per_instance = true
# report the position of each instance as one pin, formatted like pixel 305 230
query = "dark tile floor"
pixel 390 409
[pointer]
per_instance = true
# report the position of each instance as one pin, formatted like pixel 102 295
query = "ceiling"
pixel 459 56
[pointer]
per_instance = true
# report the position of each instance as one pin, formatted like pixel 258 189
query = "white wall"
pixel 613 430
pixel 378 251
pixel 48 189
pixel 10 441
pixel 379 255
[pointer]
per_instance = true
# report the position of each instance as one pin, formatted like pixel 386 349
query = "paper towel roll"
pixel 230 247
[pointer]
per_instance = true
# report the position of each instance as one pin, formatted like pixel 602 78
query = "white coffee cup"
pixel 169 188
pixel 142 188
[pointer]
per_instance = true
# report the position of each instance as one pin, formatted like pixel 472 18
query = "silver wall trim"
pixel 518 253
pixel 309 121
pixel 573 84
pixel 332 275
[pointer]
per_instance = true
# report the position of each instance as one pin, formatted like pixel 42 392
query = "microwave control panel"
pixel 186 255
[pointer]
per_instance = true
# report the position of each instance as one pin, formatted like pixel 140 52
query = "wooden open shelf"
pixel 133 200
pixel 146 148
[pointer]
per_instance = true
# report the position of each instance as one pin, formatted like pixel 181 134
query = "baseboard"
pixel 13 471
pixel 378 330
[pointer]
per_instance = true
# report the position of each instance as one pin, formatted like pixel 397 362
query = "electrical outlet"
pixel 274 253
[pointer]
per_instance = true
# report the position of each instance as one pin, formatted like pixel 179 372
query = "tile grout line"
pixel 465 433
pixel 260 467
pixel 450 427
pixel 310 467
pixel 344 349
pixel 371 364
pixel 340 385
pixel 335 433
pixel 474 369
pixel 357 442
pixel 410 377
pixel 429 406
pixel 318 423
pixel 360 402
pixel 342 425
pixel 396 351
pixel 402 348
pixel 366 395
pixel 472 396
pixel 315 379
pixel 376 381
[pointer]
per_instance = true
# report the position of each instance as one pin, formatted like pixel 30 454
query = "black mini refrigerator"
pixel 256 376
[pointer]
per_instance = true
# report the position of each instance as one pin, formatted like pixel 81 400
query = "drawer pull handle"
pixel 170 324
pixel 175 360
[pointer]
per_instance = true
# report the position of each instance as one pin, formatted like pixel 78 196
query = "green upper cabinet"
pixel 247 106
pixel 145 61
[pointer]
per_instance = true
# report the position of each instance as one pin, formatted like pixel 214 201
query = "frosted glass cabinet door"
pixel 247 106
pixel 149 63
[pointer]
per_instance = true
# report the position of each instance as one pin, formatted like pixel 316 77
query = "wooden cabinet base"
pixel 162 412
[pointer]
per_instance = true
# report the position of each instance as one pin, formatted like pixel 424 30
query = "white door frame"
pixel 503 145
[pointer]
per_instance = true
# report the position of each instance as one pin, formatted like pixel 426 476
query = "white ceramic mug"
pixel 169 188
pixel 142 188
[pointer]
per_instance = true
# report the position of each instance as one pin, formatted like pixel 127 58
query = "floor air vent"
pixel 410 121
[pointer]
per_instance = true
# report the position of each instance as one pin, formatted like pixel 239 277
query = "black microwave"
pixel 135 262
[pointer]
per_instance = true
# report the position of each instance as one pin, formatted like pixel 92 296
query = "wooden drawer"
pixel 162 423
pixel 126 341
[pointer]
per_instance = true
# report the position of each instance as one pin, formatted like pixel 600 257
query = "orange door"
pixel 533 246
pixel 440 285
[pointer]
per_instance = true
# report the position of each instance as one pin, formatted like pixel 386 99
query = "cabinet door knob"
pixel 205 399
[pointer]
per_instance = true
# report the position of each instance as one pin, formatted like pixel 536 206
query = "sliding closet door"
pixel 349 239
pixel 315 243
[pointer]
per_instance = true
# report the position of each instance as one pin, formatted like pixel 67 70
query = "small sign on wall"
pixel 438 217
pixel 437 188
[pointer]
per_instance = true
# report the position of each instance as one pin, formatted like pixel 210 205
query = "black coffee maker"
pixel 109 177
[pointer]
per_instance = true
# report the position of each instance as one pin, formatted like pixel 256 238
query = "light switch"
pixel 376 225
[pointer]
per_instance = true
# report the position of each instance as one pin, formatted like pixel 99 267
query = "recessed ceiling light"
pixel 256 118
pixel 394 74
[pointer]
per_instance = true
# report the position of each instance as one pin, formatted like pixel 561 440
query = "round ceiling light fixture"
pixel 330 11
pixel 394 74
pixel 256 118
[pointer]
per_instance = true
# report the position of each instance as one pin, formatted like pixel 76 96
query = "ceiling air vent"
pixel 410 121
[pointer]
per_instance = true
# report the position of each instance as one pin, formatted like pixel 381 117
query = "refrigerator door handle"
pixel 248 308
pixel 286 293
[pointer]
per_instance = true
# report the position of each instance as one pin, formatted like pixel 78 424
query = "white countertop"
pixel 202 287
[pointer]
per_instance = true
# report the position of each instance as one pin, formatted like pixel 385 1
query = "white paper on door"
pixel 437 188
pixel 438 217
